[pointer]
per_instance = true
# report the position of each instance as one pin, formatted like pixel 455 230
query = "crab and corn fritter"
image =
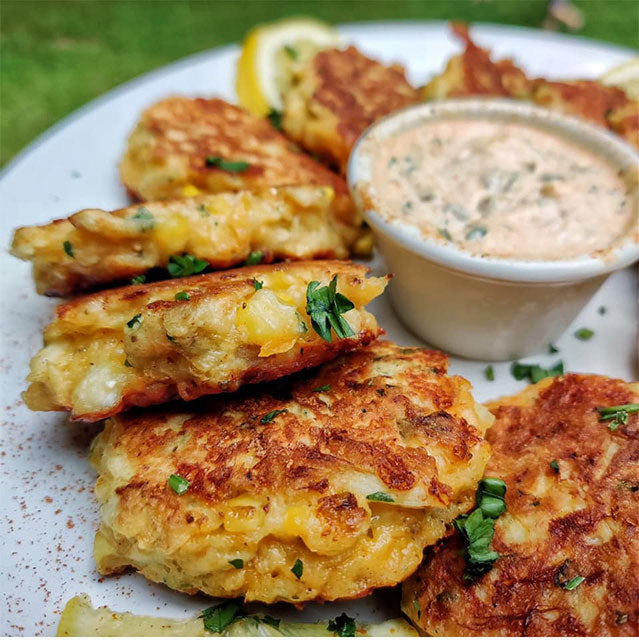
pixel 322 488
pixel 567 450
pixel 95 248
pixel 146 344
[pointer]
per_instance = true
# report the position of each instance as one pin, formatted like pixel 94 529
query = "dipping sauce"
pixel 504 190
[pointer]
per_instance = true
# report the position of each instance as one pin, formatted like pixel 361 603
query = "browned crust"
pixel 357 91
pixel 365 427
pixel 522 595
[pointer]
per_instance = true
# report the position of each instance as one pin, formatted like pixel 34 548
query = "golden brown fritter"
pixel 474 73
pixel 94 248
pixel 324 487
pixel 146 344
pixel 573 510
pixel 337 95
pixel 168 150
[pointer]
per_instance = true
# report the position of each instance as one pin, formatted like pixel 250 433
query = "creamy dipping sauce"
pixel 505 190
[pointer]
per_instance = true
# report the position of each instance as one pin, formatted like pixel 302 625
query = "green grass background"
pixel 55 55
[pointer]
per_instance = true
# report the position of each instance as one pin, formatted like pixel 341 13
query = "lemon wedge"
pixel 270 54
pixel 625 76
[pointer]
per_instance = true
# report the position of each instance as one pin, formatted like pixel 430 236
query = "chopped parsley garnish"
pixel 185 265
pixel 325 307
pixel 584 333
pixel 552 349
pixel 127 363
pixel 554 465
pixel 238 563
pixel 417 607
pixel 444 234
pixel 478 528
pixel 534 372
pixel 272 414
pixel 144 219
pixel 489 373
pixel 68 248
pixel 141 279
pixel 617 415
pixel 322 389
pixel 204 212
pixel 276 119
pixel 291 51
pixel 380 496
pixel 220 616
pixel 344 626
pixel 573 583
pixel 135 321
pixel 602 311
pixel 476 232
pixel 255 257
pixel 297 569
pixel 179 484
pixel 234 166
pixel 257 284
pixel 490 497
pixel 182 295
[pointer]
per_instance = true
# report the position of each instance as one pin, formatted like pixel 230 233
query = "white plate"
pixel 48 512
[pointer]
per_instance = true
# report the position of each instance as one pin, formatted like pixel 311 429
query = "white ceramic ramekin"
pixel 474 306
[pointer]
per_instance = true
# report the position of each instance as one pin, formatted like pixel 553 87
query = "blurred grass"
pixel 55 55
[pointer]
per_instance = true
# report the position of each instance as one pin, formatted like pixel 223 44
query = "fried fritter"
pixel 146 344
pixel 321 488
pixel 337 95
pixel 182 147
pixel 474 73
pixel 573 511
pixel 94 248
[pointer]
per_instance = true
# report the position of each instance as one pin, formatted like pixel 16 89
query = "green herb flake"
pixel 135 321
pixel 143 219
pixel 257 284
pixel 291 52
pixel 417 607
pixel 617 415
pixel 489 373
pixel 380 496
pixel 255 257
pixel 476 232
pixel 490 497
pixel 478 528
pixel 343 625
pixel 238 563
pixel 169 338
pixel 182 295
pixel 179 484
pixel 554 465
pixel 323 389
pixel 552 349
pixel 220 616
pixel 141 279
pixel 573 583
pixel 204 212
pixel 602 310
pixel 127 363
pixel 297 569
pixel 325 307
pixel 445 234
pixel 534 372
pixel 584 333
pixel 272 414
pixel 68 248
pixel 185 265
pixel 275 118
pixel 232 166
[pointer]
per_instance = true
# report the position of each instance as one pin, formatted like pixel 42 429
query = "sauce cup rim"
pixel 596 138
